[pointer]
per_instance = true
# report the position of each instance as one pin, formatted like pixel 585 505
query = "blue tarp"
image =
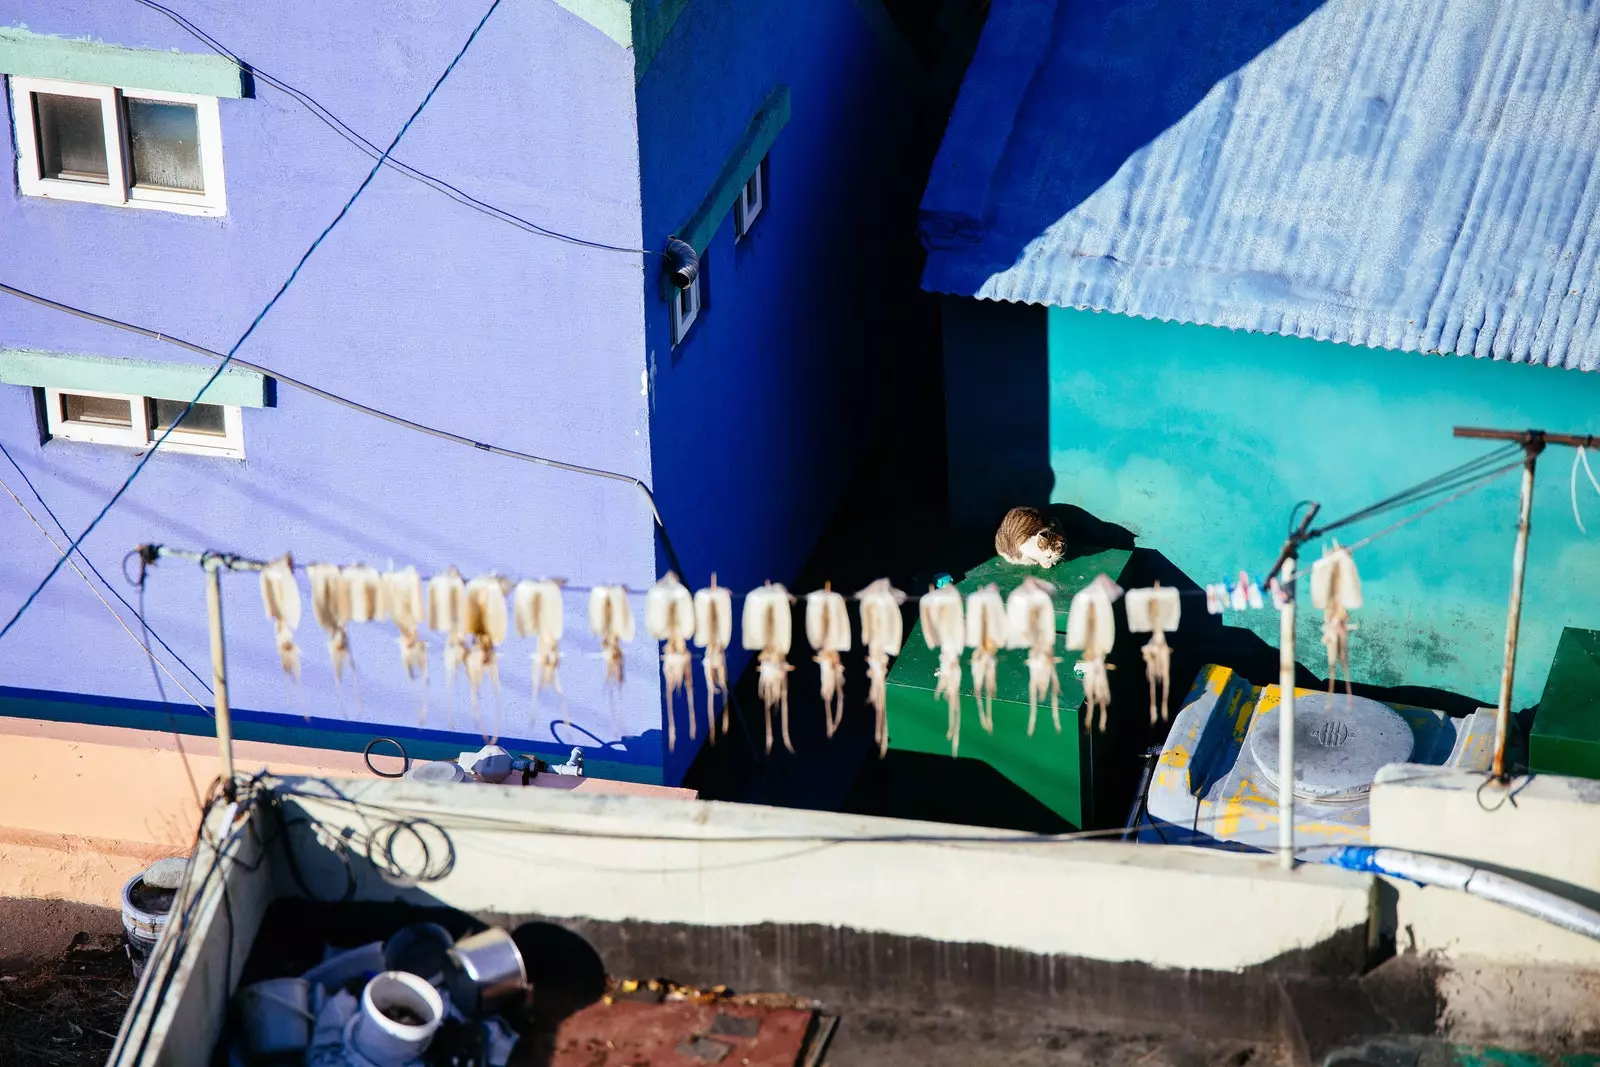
pixel 1405 174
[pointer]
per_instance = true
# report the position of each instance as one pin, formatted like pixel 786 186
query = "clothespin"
pixel 1276 591
pixel 1252 591
pixel 1238 598
pixel 1216 598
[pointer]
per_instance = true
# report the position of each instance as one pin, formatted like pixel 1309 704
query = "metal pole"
pixel 219 671
pixel 1286 717
pixel 1519 563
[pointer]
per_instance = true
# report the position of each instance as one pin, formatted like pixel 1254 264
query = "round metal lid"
pixel 1339 744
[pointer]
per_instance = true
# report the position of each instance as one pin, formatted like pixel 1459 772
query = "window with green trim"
pixel 137 421
pixel 105 144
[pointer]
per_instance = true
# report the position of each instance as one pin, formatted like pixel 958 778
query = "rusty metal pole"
pixel 219 671
pixel 1519 564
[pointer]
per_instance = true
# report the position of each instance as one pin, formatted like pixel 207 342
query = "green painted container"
pixel 1566 730
pixel 1056 768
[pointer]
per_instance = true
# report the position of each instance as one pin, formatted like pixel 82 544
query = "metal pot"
pixel 484 973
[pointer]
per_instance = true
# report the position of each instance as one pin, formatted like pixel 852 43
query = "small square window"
pixel 138 421
pixel 686 306
pixel 752 198
pixel 109 145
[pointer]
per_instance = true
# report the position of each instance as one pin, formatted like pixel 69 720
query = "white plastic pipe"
pixel 1453 874
pixel 388 1042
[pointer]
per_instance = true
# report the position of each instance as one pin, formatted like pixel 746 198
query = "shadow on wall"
pixel 1096 83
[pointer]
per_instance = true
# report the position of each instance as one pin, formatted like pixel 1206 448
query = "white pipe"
pixel 1286 661
pixel 1453 874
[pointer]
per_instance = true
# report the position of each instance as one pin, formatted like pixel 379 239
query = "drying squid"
pixel 986 635
pixel 713 631
pixel 366 593
pixel 767 630
pixel 402 599
pixel 447 614
pixel 611 620
pixel 1091 630
pixel 1336 590
pixel 1031 624
pixel 881 632
pixel 1155 611
pixel 669 618
pixel 281 597
pixel 944 628
pixel 485 624
pixel 330 605
pixel 828 631
pixel 538 610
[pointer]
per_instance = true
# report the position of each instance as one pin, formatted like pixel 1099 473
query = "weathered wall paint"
pixel 757 416
pixel 415 304
pixel 1200 440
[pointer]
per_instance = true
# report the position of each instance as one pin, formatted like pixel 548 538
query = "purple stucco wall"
pixel 415 304
pixel 771 397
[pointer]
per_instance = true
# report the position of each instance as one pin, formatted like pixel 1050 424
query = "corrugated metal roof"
pixel 1408 174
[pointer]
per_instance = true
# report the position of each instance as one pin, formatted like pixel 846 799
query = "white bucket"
pixel 276 1017
pixel 142 926
pixel 387 1041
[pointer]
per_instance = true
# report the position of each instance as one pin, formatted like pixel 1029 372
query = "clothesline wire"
pixel 140 615
pixel 377 413
pixel 260 316
pixel 177 739
pixel 1439 484
pixel 344 130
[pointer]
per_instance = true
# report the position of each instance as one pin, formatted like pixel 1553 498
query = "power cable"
pixel 138 612
pixel 262 314
pixel 344 130
pixel 432 431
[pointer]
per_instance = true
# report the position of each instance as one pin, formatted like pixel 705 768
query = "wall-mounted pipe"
pixel 1453 874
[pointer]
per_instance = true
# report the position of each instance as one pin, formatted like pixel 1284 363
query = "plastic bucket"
pixel 144 916
pixel 399 1014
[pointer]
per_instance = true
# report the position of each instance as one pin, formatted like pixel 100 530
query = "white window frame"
pixel 118 190
pixel 686 305
pixel 752 198
pixel 142 433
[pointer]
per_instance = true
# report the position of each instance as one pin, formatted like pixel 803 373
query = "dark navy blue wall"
pixel 757 419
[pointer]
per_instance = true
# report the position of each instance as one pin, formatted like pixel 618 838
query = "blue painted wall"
pixel 756 418
pixel 1200 440
pixel 415 304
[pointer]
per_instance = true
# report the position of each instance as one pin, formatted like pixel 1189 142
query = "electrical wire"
pixel 432 431
pixel 344 130
pixel 138 612
pixel 1439 484
pixel 261 315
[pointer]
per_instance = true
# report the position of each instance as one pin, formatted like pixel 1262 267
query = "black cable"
pixel 366 755
pixel 1438 485
pixel 445 435
pixel 344 130
pixel 139 612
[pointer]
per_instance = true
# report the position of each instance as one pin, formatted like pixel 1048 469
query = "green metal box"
pixel 1566 730
pixel 1056 768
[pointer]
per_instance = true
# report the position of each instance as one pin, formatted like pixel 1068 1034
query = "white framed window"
pixel 128 147
pixel 686 306
pixel 752 198
pixel 137 421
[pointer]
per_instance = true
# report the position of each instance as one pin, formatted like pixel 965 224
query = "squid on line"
pixel 986 635
pixel 447 614
pixel 367 603
pixel 1091 630
pixel 768 630
pixel 538 609
pixel 882 631
pixel 1156 611
pixel 281 598
pixel 669 618
pixel 713 631
pixel 485 624
pixel 611 620
pixel 828 631
pixel 330 605
pixel 1031 624
pixel 944 628
pixel 1336 590
pixel 402 598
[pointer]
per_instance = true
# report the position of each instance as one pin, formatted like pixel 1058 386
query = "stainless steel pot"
pixel 484 973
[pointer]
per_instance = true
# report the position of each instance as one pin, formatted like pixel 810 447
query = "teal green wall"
pixel 1200 440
